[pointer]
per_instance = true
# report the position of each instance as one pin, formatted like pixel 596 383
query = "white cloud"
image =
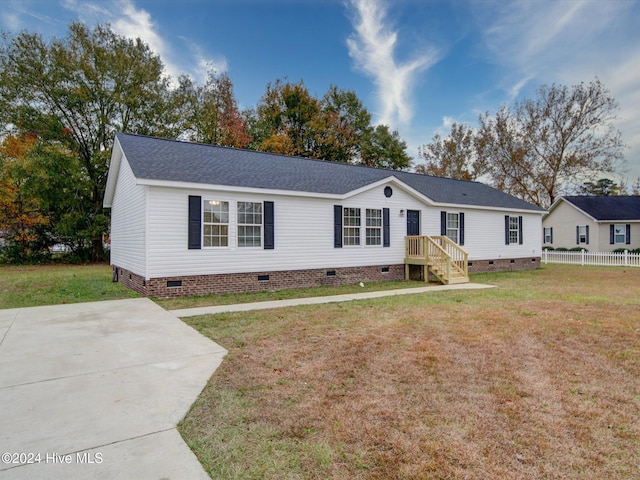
pixel 132 22
pixel 568 42
pixel 372 47
pixel 203 63
pixel 11 21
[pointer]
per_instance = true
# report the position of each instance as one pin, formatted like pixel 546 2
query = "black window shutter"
pixel 195 221
pixel 506 229
pixel 443 223
pixel 551 233
pixel 461 229
pixel 386 232
pixel 587 233
pixel 337 226
pixel 520 239
pixel 268 226
pixel 628 232
pixel 612 235
pixel 577 234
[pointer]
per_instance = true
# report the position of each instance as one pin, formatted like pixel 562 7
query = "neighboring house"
pixel 189 218
pixel 598 224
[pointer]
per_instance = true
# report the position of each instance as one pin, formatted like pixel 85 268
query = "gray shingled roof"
pixel 608 208
pixel 171 160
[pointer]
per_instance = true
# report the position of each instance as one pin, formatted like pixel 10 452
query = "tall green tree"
pixel 340 125
pixel 77 92
pixel 289 120
pixel 282 123
pixel 603 187
pixel 539 147
pixel 382 148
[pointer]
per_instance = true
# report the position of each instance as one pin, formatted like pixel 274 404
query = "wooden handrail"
pixel 440 252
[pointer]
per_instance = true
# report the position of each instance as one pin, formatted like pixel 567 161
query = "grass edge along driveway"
pixel 536 379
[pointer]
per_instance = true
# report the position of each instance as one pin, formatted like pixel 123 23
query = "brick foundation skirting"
pixel 257 281
pixel 283 280
pixel 504 264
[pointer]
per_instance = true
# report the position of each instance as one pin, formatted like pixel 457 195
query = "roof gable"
pixel 602 208
pixel 158 159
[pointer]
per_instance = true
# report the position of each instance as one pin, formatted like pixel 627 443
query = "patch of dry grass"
pixel 537 379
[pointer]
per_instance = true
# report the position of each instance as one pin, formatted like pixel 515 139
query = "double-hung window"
pixel 453 226
pixel 351 226
pixel 620 233
pixel 249 224
pixel 583 234
pixel 514 230
pixel 374 227
pixel 215 223
pixel 548 234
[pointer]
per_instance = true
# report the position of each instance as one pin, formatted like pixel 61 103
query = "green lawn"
pixel 536 379
pixel 28 286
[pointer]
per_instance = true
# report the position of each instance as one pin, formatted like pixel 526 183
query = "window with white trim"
pixel 453 226
pixel 620 233
pixel 351 226
pixel 548 236
pixel 514 230
pixel 582 234
pixel 374 226
pixel 216 224
pixel 249 224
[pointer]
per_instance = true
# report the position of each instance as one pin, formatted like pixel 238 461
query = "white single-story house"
pixel 595 223
pixel 191 219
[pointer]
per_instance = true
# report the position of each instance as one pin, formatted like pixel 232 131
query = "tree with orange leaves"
pixel 20 211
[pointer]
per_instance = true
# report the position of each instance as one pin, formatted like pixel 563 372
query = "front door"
pixel 413 222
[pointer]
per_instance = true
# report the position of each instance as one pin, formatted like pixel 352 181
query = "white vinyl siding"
pixel 565 218
pixel 128 222
pixel 304 236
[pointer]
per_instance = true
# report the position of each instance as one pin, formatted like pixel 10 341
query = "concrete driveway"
pixel 95 390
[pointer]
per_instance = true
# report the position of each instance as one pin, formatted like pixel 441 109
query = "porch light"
pixel 402 213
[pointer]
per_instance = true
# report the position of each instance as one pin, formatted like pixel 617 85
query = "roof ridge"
pixel 282 155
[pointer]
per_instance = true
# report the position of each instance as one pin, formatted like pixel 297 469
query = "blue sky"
pixel 417 65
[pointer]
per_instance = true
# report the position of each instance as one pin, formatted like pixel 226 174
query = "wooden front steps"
pixel 440 256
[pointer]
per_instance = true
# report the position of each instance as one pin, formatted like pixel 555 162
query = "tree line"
pixel 62 101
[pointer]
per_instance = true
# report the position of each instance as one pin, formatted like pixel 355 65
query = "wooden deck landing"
pixel 445 259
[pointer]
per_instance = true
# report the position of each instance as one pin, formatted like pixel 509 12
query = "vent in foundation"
pixel 533 259
pixel 174 283
pixel 385 270
pixel 512 261
pixel 263 278
pixel 470 264
pixel 331 273
pixel 490 262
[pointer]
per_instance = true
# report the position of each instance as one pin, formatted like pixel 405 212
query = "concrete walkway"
pixel 95 391
pixel 245 307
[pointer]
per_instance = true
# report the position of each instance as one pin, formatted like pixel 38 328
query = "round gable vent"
pixel 388 192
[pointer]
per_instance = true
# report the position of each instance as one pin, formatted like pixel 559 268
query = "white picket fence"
pixel 605 259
